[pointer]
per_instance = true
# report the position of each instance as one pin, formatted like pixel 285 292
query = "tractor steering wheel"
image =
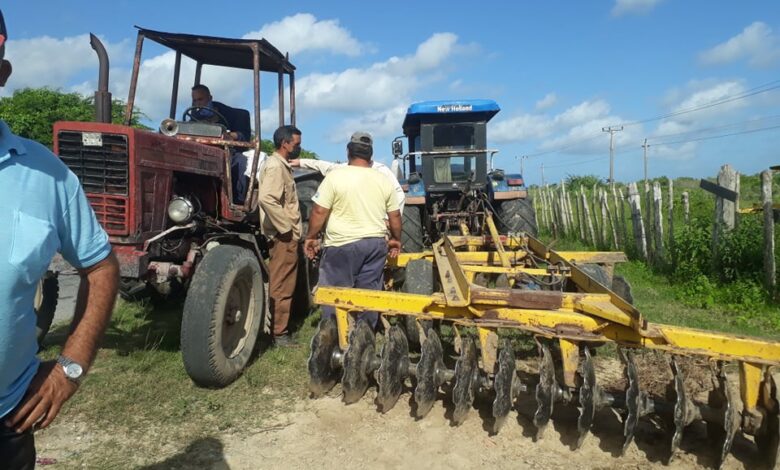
pixel 192 110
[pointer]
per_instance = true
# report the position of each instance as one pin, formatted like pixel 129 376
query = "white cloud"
pixel 52 62
pixel 578 122
pixel 379 86
pixel 303 32
pixel 756 43
pixel 547 102
pixel 628 7
pixel 383 124
pixel 704 93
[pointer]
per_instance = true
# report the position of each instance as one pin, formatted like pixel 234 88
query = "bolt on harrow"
pixel 569 308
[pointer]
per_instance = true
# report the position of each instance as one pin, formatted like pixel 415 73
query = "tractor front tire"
pixel 46 296
pixel 222 316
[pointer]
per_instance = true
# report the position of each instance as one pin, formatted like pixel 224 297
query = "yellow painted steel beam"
pixel 499 247
pixel 604 257
pixel 452 277
pixel 489 258
pixel 488 340
pixel 560 323
pixel 750 376
pixel 501 270
pixel 570 359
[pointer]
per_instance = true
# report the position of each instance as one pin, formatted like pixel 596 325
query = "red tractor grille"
pixel 111 212
pixel 102 168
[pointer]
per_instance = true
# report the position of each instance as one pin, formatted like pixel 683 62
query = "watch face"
pixel 73 371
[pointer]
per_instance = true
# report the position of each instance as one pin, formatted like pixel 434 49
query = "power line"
pixel 751 131
pixel 728 99
pixel 766 87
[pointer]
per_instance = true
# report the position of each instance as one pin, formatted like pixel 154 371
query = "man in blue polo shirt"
pixel 43 211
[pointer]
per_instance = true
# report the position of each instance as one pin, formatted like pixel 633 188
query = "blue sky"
pixel 560 70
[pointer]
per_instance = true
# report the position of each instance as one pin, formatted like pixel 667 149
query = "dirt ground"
pixel 325 433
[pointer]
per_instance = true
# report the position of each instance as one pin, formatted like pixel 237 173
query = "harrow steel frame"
pixel 567 327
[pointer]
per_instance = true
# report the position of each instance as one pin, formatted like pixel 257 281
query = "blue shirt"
pixel 43 210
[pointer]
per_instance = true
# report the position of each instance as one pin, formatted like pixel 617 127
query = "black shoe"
pixel 284 341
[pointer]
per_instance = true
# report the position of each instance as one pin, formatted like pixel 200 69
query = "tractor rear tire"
pixel 46 296
pixel 306 190
pixel 222 316
pixel 517 215
pixel 418 279
pixel 412 233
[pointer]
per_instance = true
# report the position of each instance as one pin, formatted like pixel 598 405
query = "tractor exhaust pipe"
pixel 102 95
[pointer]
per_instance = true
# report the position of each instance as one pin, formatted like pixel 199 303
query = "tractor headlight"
pixel 181 210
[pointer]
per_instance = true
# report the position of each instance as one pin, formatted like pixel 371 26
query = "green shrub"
pixel 744 296
pixel 740 252
pixel 692 250
pixel 697 291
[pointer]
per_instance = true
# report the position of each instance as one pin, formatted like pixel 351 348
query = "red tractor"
pixel 167 202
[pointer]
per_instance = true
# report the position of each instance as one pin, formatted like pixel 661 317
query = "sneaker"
pixel 283 341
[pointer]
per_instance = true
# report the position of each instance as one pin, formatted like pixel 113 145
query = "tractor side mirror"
pixel 398 148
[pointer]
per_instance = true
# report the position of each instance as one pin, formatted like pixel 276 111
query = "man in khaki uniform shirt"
pixel 282 226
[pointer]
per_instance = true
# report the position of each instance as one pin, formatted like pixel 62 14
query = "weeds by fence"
pixel 703 242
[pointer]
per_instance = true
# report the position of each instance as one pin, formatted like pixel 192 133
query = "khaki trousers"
pixel 283 271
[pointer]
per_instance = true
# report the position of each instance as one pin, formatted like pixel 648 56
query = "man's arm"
pixel 394 244
pixel 317 218
pixel 50 389
pixel 270 197
pixel 313 164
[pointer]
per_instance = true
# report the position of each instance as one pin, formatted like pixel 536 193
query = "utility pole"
pixel 612 130
pixel 645 146
pixel 542 174
pixel 522 159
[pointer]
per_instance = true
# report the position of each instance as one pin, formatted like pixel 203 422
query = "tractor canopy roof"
pixel 226 52
pixel 449 111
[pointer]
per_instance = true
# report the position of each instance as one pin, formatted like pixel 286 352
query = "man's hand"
pixel 48 391
pixel 393 248
pixel 294 162
pixel 285 237
pixel 311 247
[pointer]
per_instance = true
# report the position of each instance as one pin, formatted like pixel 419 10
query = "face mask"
pixel 204 112
pixel 296 151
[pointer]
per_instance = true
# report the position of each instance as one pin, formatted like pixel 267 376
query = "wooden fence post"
pixel 658 254
pixel 686 208
pixel 671 218
pixel 626 237
pixel 580 224
pixel 769 231
pixel 564 209
pixel 649 217
pixel 572 212
pixel 636 220
pixel 604 219
pixel 724 209
pixel 616 217
pixel 608 217
pixel 586 215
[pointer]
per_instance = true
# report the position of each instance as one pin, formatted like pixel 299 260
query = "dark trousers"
pixel 358 264
pixel 238 179
pixel 17 451
pixel 282 273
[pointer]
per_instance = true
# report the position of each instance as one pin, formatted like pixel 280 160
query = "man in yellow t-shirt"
pixel 354 201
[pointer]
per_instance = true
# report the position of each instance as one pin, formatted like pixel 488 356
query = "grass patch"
pixel 139 398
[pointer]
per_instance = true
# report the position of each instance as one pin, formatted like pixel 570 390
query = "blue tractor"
pixel 448 175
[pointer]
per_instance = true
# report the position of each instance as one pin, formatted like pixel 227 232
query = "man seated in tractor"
pixel 237 125
pixel 354 200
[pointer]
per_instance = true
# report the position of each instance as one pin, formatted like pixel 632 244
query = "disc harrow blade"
pixel 358 362
pixel 768 442
pixel 429 374
pixel 545 390
pixel 681 408
pixel 323 374
pixel 393 370
pixel 465 384
pixel 721 398
pixel 634 398
pixel 590 396
pixel 503 384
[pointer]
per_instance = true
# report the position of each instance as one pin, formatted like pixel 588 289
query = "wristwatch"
pixel 73 370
